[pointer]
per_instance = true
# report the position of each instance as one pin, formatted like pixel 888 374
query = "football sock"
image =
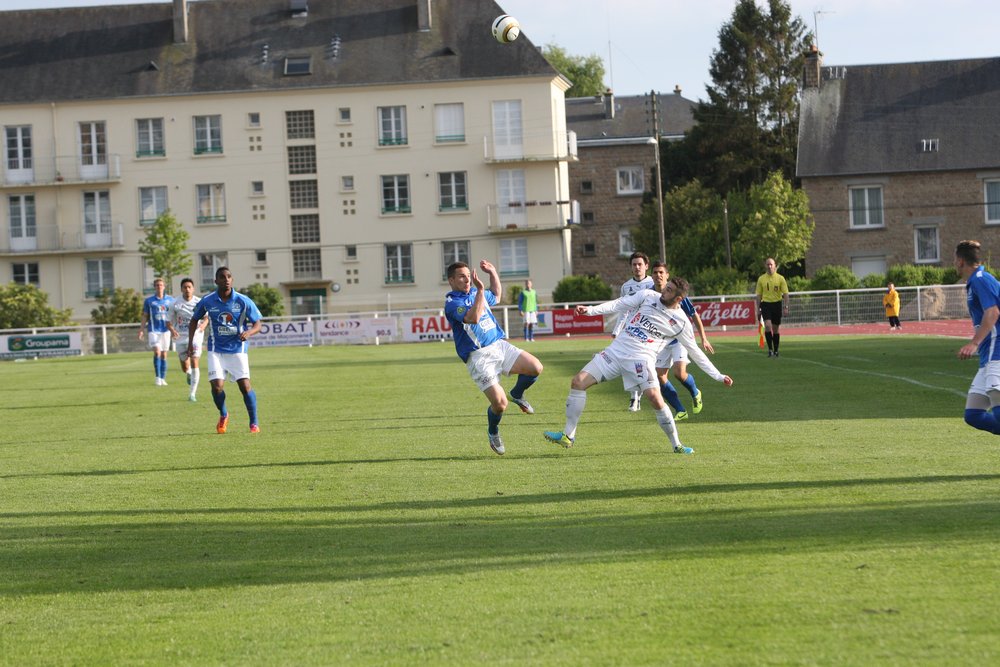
pixel 526 332
pixel 670 396
pixel 250 400
pixel 523 382
pixel 691 386
pixel 983 420
pixel 666 422
pixel 220 402
pixel 769 337
pixel 195 376
pixel 777 339
pixel 575 403
pixel 493 420
pixel 156 366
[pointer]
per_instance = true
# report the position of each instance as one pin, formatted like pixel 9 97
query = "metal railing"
pixel 53 238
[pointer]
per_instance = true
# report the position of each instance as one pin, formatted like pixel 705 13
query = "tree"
pixel 27 307
pixel 269 300
pixel 574 289
pixel 121 306
pixel 777 223
pixel 165 248
pixel 585 72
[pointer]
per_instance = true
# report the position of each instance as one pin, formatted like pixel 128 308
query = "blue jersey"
pixel 689 310
pixel 981 292
pixel 157 312
pixel 471 337
pixel 227 320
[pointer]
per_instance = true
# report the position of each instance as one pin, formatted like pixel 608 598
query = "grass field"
pixel 837 512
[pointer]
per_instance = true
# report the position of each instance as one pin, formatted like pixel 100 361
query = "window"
pixel 587 218
pixel 93 145
pixel 211 202
pixel 396 194
pixel 351 252
pixel 305 228
pixel 100 277
pixel 149 137
pixel 511 196
pixel 347 183
pixel 152 203
pixel 207 135
pixel 449 123
pixel 257 188
pixel 514 257
pixel 344 114
pixel 148 276
pixel 863 266
pixel 586 187
pixel 26 274
pixel 208 264
pixel 452 191
pixel 300 124
pixel 589 249
pixel 631 181
pixel 308 301
pixel 453 251
pixel 97 215
pixel 398 263
pixel 301 159
pixel 303 194
pixel 253 119
pixel 260 257
pixel 992 189
pixel 392 126
pixel 307 263
pixel 926 245
pixel 508 129
pixel 866 207
pixel 23 225
pixel 18 148
pixel 298 65
pixel 625 244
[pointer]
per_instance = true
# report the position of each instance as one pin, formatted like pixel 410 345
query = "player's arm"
pixel 701 332
pixel 985 328
pixel 196 317
pixel 784 294
pixel 495 285
pixel 475 313
pixel 623 305
pixel 144 322
pixel 686 338
pixel 252 331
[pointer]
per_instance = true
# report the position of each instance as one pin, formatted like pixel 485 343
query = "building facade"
pixel 344 152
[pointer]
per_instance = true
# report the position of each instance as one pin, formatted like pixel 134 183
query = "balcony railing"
pixel 531 215
pixel 64 170
pixel 561 148
pixel 48 239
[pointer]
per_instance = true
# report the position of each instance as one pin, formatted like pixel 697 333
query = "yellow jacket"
pixel 891 303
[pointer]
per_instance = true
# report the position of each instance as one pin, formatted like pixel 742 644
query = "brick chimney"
pixel 609 104
pixel 811 68
pixel 424 20
pixel 180 21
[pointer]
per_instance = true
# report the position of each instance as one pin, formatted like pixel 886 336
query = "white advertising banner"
pixel 285 334
pixel 426 327
pixel 355 330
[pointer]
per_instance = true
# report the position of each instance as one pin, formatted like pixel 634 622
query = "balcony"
pixel 64 170
pixel 51 239
pixel 528 216
pixel 561 149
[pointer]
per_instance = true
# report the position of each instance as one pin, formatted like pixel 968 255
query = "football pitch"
pixel 837 511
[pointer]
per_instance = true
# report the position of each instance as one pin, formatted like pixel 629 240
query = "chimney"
pixel 180 21
pixel 677 89
pixel 424 15
pixel 811 68
pixel 609 104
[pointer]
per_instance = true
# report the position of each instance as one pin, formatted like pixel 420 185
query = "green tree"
pixel 585 72
pixel 26 307
pixel 165 247
pixel 268 299
pixel 121 306
pixel 574 289
pixel 834 276
pixel 777 223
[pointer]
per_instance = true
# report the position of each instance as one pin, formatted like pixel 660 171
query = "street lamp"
pixel 655 143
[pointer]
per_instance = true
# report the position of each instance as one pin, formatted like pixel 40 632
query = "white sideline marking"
pixel 950 375
pixel 867 361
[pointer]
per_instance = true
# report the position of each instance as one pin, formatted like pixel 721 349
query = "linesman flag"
pixel 760 332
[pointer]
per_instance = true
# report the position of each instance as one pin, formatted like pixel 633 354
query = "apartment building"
pixel 342 151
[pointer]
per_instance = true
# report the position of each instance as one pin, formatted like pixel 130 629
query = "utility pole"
pixel 725 227
pixel 655 107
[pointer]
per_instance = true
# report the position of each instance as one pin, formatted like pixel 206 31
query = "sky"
pixel 659 44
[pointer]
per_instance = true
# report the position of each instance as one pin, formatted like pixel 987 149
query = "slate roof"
pixel 872 119
pixel 586 117
pixel 109 51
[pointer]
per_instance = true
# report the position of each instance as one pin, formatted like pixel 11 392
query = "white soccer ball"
pixel 506 28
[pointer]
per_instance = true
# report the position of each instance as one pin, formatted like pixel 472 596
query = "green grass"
pixel 837 512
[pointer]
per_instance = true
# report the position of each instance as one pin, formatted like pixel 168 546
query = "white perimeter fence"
pixel 835 307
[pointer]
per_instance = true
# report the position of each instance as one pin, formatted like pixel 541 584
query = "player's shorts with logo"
pixel 771 311
pixel 487 363
pixel 987 379
pixel 236 365
pixel 196 343
pixel 636 374
pixel 159 340
pixel 670 355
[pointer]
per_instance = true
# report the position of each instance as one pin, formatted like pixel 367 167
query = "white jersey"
pixel 650 327
pixel 181 312
pixel 630 287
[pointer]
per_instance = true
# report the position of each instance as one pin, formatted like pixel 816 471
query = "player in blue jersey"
pixel 156 328
pixel 232 319
pixel 481 344
pixel 982 406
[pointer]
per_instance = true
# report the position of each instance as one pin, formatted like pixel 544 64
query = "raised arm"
pixel 495 285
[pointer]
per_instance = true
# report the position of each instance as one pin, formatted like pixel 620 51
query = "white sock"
pixel 666 422
pixel 575 403
pixel 195 374
pixel 636 396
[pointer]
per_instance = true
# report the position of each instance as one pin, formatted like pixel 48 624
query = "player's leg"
pixel 238 366
pixel 776 324
pixel 982 406
pixel 666 421
pixel 669 393
pixel 527 367
pixel 217 380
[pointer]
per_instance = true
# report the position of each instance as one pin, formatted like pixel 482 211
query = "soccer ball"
pixel 506 28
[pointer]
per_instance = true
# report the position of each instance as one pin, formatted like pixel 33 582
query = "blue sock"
pixel 163 367
pixel 220 402
pixel 156 366
pixel 670 396
pixel 691 386
pixel 523 382
pixel 983 420
pixel 494 421
pixel 250 400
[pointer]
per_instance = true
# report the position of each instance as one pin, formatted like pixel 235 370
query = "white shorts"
pixel 531 317
pixel 671 354
pixel 182 345
pixel 487 363
pixel 636 374
pixel 987 379
pixel 159 340
pixel 235 365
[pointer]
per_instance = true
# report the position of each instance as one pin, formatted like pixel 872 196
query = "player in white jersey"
pixel 657 319
pixel 180 320
pixel 637 283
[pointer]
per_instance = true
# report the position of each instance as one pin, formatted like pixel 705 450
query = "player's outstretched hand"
pixel 968 351
pixel 476 281
pixel 728 381
pixel 708 346
pixel 487 266
pixel 581 310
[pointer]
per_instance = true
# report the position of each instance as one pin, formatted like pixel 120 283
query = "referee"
pixel 772 303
